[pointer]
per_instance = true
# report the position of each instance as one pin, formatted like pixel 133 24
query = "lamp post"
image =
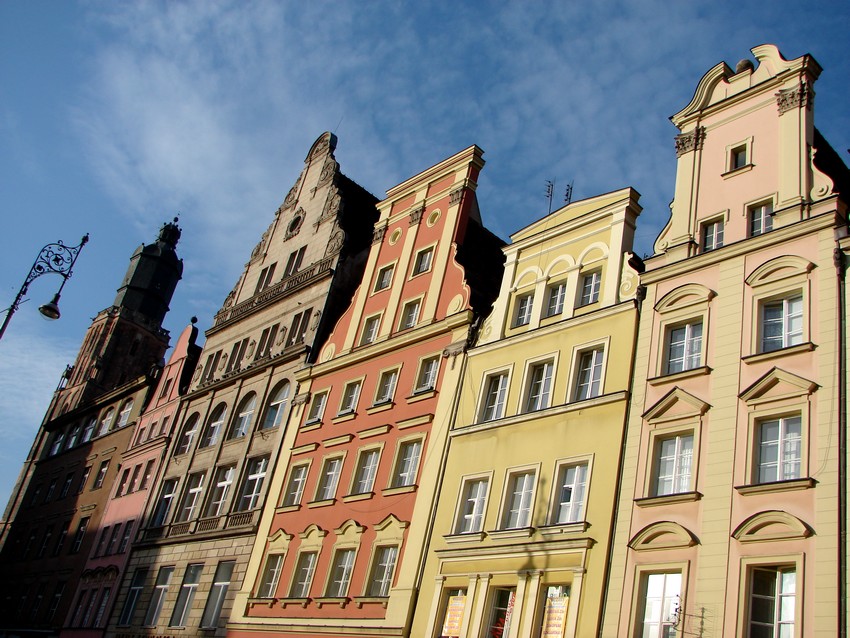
pixel 54 258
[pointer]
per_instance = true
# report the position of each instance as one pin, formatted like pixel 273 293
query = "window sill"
pixel 352 498
pixel 519 532
pixel 402 489
pixel 265 602
pixel 311 425
pixel 776 486
pixel 464 537
pixel 668 499
pixel 325 503
pixel 301 602
pixel 421 395
pixel 677 376
pixel 808 346
pixel 321 601
pixel 579 527
pixel 371 600
pixel 342 417
pixel 737 171
pixel 380 407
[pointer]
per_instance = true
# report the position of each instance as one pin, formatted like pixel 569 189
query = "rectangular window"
pixel 190 430
pixel 295 486
pixel 66 486
pixel 63 535
pixel 51 490
pixel 386 386
pixel 45 541
pixel 133 595
pixel 761 219
pixel 427 378
pixel 660 597
pixel 57 599
pixel 192 497
pixel 163 506
pixel 101 607
pixel 265 278
pixel 134 479
pixel 113 539
pixel 712 235
pixel 518 502
pixel 253 484
pixel 409 314
pixel 298 328
pixel 186 595
pixel 101 475
pixel 214 426
pixel 293 263
pixel 384 278
pixel 350 394
pixel 501 612
pixel 383 566
pixel 589 374
pixel 524 304
pixel 160 589
pixel 407 462
pixel 222 483
pixel 422 263
pixel 128 535
pixel 364 474
pixel 590 288
pixel 304 570
pixel 571 489
pixel 218 592
pixel 470 518
pixel 317 407
pixel 84 479
pixel 100 549
pixel 495 392
pixel 683 350
pixel 82 526
pixel 340 576
pixel 58 442
pixel 539 386
pixel 780 449
pixel 555 302
pixel 147 475
pixel 271 576
pixel 738 157
pixel 267 339
pixel 234 361
pixel 773 601
pixel 370 330
pixel 782 323
pixel 673 462
pixel 329 479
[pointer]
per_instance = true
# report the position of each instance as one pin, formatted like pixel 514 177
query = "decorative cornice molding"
pixel 416 214
pixel 799 96
pixel 692 141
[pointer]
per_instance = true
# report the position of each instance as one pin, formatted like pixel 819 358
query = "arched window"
pixel 124 415
pixel 242 420
pixel 105 422
pixel 276 405
pixel 214 425
pixel 190 429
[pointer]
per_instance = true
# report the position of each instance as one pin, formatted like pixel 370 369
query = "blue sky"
pixel 115 116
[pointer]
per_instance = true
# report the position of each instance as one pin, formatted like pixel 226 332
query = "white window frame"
pixel 494 398
pixel 385 272
pixel 590 287
pixel 256 469
pixel 532 399
pixel 759 218
pixel 423 261
pixel 223 483
pixel 518 498
pixel 349 397
pixel 191 501
pixel 212 431
pixel 160 591
pixel 691 346
pixel 572 510
pixel 276 406
pixel 590 360
pixel 294 492
pixel 188 434
pixel 340 571
pixel 556 297
pixel 328 482
pixel 386 386
pixel 302 575
pixel 270 577
pixel 371 325
pixel 318 403
pixel 365 470
pixel 668 601
pixel 242 419
pixel 427 374
pixel 218 592
pixel 186 594
pixel 406 466
pixel 523 309
pixel 471 509
pixel 789 335
pixel 410 314
pixel 711 234
pixel 784 457
pixel 124 414
pixel 682 473
pixel 382 571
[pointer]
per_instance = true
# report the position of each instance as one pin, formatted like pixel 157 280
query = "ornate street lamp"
pixel 54 258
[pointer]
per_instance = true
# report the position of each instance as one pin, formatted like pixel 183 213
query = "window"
pixel 218 591
pixel 134 479
pixel 470 516
pixel 304 570
pixel 74 436
pixel 133 595
pixel 422 263
pixel 407 463
pixel 192 497
pixel 518 503
pixel 384 278
pixel 101 607
pixel 409 314
pixel 82 526
pixel 113 539
pixel 350 394
pixel 495 392
pixel 128 534
pixel 539 386
pixel 271 576
pixel 57 598
pixel 298 328
pixel 590 288
pixel 211 365
pixel 234 361
pixel 364 474
pixel 772 601
pixel 124 415
pixel 163 506
pixel 712 235
pixel 122 484
pixel 555 302
pixel 84 479
pixel 265 278
pixel 51 490
pixel 276 407
pixel 100 548
pixel 166 387
pixel 370 330
pixel 589 374
pixel 106 422
pixel 317 407
pixel 58 442
pixel 147 475
pixel 295 486
pixel 186 595
pixel 570 493
pixel 293 263
pixel 340 575
pixel 66 486
pixel 88 431
pixel 684 347
pixel 267 340
pixel 329 479
pixel 221 490
pixel 427 378
pixel 189 432
pixel 63 534
pixel 242 420
pixel 163 578
pixel 782 323
pixel 45 541
pixel 501 612
pixel 761 219
pixel 386 386
pixel 381 576
pixel 101 475
pixel 524 304
pixel 661 599
pixel 673 462
pixel 214 425
pixel 779 449
pixel 253 485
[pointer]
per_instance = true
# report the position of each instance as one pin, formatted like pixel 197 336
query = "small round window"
pixel 395 236
pixel 294 225
pixel 433 217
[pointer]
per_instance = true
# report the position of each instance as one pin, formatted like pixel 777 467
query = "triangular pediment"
pixel 662 535
pixel 778 384
pixel 772 525
pixel 676 404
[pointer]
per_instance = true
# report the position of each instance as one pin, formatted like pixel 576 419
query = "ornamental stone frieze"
pixel 416 214
pixel 790 99
pixel 378 234
pixel 692 141
pixel 455 195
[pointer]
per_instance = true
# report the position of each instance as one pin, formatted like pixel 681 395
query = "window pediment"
pixel 778 269
pixel 777 384
pixel 561 265
pixel 772 525
pixel 350 530
pixel 279 542
pixel 391 529
pixel 684 297
pixel 528 277
pixel 676 404
pixel 663 535
pixel 312 533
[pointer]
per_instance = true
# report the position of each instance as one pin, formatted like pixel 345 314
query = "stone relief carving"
pixel 328 171
pixel 378 234
pixel 335 243
pixel 687 142
pixel 789 99
pixel 455 196
pixel 416 214
pixel 332 206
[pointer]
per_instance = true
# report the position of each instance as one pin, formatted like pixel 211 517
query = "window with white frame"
pixel 106 422
pixel 524 304
pixel 493 399
pixel 590 288
pixel 214 426
pixel 422 262
pixel 519 500
pixel 556 294
pixel 366 470
pixel 760 218
pixel 350 394
pixel 712 235
pixel 426 379
pixel 295 485
pixel 386 386
pixel 589 374
pixel 317 407
pixel 340 574
pixel 252 485
pixel 381 575
pixel 125 539
pixel 772 601
pixel 660 601
pixel 538 386
pixel 101 475
pixel 160 589
pixel 683 347
pixel 501 611
pixel 570 493
pixel 137 584
pixel 409 314
pixel 384 278
pixel 191 497
pixel 329 478
pixel 782 323
pixel 190 430
pixel 163 505
pixel 779 451
pixel 305 568
pixel 673 464
pixel 222 483
pixel 473 500
pixel 370 329
pixel 407 463
pixel 271 576
pixel 218 592
pixel 186 595
pixel 276 406
pixel 242 420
